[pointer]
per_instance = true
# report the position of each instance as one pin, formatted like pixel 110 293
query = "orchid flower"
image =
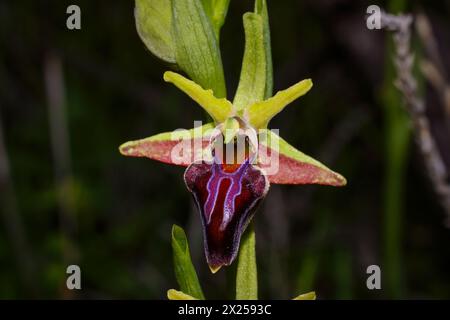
pixel 228 189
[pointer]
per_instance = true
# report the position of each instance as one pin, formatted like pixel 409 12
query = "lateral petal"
pixel 218 109
pixel 260 113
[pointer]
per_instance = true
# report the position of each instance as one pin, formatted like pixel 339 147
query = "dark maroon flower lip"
pixel 227 201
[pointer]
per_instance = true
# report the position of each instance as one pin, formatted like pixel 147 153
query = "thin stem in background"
pixel 416 107
pixel 433 67
pixel 59 134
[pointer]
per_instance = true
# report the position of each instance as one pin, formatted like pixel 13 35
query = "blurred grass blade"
pixel 184 269
pixel 196 47
pixel 397 138
pixel 247 274
pixel 252 82
pixel 154 24
pixel 261 9
pixel 217 12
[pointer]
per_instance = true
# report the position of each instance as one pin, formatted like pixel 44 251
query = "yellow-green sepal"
pixel 284 164
pixel 180 147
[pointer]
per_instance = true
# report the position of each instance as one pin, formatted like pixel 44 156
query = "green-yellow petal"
pixel 218 109
pixel 260 113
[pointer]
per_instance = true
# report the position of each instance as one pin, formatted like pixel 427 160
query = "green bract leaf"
pixel 252 82
pixel 293 167
pixel 247 275
pixel 154 25
pixel 261 9
pixel 184 269
pixel 173 294
pixel 306 296
pixel 218 109
pixel 196 46
pixel 260 113
pixel 217 12
pixel 176 147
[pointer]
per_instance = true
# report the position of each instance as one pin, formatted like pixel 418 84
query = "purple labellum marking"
pixel 215 186
pixel 227 200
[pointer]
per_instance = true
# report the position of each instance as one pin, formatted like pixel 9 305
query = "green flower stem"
pixel 247 274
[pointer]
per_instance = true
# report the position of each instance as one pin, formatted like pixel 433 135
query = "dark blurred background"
pixel 68 99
